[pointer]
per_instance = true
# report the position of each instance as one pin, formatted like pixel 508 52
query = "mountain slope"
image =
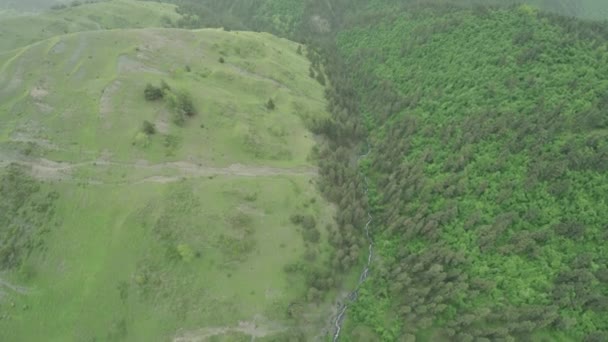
pixel 489 168
pixel 168 229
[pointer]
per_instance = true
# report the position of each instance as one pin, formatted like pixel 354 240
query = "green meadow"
pixel 182 231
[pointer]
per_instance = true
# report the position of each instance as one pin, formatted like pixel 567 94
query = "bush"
pixel 185 252
pixel 311 235
pixel 141 140
pixel 184 103
pixel 307 221
pixel 320 78
pixel 221 60
pixel 182 106
pixel 153 93
pixel 270 105
pixel 164 86
pixel 148 127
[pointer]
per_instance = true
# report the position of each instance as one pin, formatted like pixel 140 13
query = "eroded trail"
pixel 14 288
pixel 247 328
pixel 45 169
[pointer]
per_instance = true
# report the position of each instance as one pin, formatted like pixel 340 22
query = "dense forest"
pixel 490 172
pixel 488 166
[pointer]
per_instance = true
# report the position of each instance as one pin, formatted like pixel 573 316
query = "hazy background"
pixel 590 9
pixel 29 5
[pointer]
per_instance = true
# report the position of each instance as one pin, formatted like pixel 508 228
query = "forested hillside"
pixel 463 145
pixel 490 173
pixel 487 169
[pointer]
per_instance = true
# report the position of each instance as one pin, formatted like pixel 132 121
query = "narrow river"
pixel 352 296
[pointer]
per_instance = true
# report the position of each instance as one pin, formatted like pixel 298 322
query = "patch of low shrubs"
pixel 180 102
pixel 181 105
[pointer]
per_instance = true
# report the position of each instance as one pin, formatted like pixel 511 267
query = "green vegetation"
pixel 148 127
pixel 487 171
pixel 25 212
pixel 179 102
pixel 270 105
pixel 182 106
pixel 485 178
pixel 489 175
pixel 118 224
pixel 276 16
pixel 152 93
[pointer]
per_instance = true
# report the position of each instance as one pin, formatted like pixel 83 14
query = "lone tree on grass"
pixel 270 104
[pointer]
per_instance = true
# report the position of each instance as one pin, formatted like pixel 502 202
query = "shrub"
pixel 153 93
pixel 185 104
pixel 185 252
pixel 164 86
pixel 270 105
pixel 148 127
pixel 181 105
pixel 320 78
pixel 311 235
pixel 141 140
pixel 307 221
pixel 221 60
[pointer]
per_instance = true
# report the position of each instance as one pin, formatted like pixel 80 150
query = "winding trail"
pixel 45 169
pixel 338 321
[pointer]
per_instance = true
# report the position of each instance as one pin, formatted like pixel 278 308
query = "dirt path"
pixel 18 289
pixel 105 102
pixel 77 53
pixel 248 328
pixel 244 72
pixel 45 169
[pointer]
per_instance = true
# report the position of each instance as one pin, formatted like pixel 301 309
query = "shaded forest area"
pixel 488 169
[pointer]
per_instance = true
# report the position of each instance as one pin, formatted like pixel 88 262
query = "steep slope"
pixel 489 175
pixel 23 30
pixel 181 228
pixel 486 169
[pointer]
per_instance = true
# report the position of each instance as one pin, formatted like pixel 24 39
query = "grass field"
pixel 181 233
pixel 18 31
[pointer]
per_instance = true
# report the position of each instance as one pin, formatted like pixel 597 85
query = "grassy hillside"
pixel 489 168
pixel 23 30
pixel 184 230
